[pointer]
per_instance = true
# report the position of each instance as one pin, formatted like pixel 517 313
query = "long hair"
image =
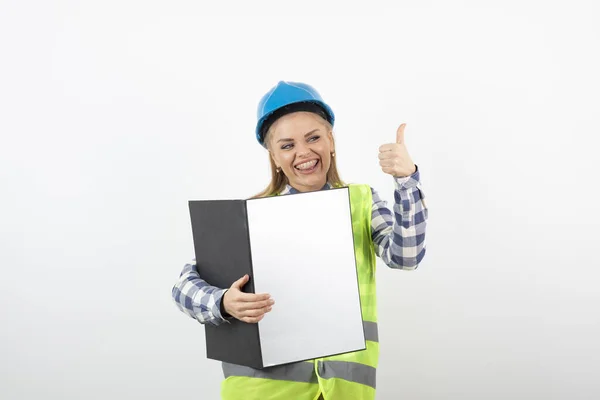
pixel 279 180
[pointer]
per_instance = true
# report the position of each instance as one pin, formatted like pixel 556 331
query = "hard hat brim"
pixel 314 106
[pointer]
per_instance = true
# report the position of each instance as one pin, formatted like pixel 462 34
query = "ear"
pixel 331 141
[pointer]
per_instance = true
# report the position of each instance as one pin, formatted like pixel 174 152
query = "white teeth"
pixel 307 165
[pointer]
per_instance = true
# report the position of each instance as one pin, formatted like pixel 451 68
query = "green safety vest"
pixel 342 377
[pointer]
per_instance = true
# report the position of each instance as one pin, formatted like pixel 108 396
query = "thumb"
pixel 400 134
pixel 240 282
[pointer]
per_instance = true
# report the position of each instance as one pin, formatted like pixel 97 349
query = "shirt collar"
pixel 291 190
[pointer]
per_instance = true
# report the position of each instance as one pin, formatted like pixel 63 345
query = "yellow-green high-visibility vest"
pixel 349 376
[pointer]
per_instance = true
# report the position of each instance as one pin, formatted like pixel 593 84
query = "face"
pixel 301 145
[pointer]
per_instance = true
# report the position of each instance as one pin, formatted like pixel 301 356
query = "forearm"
pixel 399 237
pixel 196 298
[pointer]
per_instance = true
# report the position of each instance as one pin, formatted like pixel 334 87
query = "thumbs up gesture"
pixel 394 158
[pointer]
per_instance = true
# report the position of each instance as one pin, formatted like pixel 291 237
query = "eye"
pixel 314 138
pixel 287 146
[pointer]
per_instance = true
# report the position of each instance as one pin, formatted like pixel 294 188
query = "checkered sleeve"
pixel 196 298
pixel 399 237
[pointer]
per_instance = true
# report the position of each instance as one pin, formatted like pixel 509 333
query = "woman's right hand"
pixel 247 307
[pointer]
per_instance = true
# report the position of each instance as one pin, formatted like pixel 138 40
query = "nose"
pixel 303 151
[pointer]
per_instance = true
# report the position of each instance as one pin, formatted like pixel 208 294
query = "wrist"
pixel 402 176
pixel 223 310
pixel 408 182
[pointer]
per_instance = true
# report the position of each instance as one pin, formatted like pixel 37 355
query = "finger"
pixel 255 305
pixel 388 147
pixel 251 297
pixel 256 312
pixel 252 320
pixel 240 282
pixel 387 163
pixel 400 134
pixel 387 155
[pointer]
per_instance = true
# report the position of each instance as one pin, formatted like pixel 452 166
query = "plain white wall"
pixel 114 114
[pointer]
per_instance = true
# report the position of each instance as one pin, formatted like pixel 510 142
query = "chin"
pixel 315 180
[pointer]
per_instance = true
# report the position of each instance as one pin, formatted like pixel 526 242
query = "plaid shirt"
pixel 399 240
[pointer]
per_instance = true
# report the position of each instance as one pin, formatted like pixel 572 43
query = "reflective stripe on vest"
pixel 297 372
pixel 371 331
pixel 346 376
pixel 349 371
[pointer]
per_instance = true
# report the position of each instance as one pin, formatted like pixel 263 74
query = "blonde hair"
pixel 279 180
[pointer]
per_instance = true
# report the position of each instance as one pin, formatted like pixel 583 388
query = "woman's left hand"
pixel 394 158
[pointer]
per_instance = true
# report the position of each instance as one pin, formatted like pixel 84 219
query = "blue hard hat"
pixel 287 97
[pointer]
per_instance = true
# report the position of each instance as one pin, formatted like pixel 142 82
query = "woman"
pixel 295 125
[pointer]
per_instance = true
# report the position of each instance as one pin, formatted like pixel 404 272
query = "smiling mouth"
pixel 307 167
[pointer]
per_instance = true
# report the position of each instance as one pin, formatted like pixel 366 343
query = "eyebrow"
pixel 291 140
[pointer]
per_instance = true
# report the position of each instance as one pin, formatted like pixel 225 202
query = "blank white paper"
pixel 303 255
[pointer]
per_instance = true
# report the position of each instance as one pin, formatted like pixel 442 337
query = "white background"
pixel 114 114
